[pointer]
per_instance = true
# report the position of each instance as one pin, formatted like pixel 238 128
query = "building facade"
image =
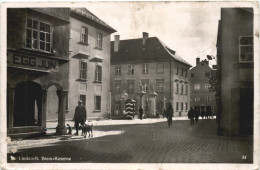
pixel 201 95
pixel 37 61
pixel 150 73
pixel 235 59
pixel 89 63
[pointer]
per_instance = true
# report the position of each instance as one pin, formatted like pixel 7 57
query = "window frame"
pixel 118 82
pixel 196 87
pixel 177 106
pixel 38 39
pixel 160 85
pixel 84 34
pixel 130 82
pixel 144 68
pixel 99 40
pixel 130 69
pixel 239 47
pixel 95 101
pixel 81 70
pixel 118 70
pixel 207 87
pixel 98 73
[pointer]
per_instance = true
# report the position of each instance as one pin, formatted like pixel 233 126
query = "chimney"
pixel 145 37
pixel 116 43
pixel 197 61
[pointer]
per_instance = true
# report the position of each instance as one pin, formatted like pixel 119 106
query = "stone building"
pixel 37 61
pixel 150 73
pixel 89 63
pixel 235 59
pixel 200 92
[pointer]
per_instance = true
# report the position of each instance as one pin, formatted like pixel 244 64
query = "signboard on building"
pixel 32 62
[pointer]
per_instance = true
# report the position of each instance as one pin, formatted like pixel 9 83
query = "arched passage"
pixel 27 104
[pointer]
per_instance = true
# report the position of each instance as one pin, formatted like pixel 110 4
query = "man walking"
pixel 196 114
pixel 169 115
pixel 80 116
pixel 191 116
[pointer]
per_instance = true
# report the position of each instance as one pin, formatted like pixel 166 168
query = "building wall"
pixel 88 88
pixel 234 74
pixel 199 78
pixel 168 75
pixel 22 69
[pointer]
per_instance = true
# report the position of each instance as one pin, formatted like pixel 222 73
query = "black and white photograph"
pixel 130 85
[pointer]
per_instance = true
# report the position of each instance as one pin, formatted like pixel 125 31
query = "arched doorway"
pixel 27 104
pixel 52 103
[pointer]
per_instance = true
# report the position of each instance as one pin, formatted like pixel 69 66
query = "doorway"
pixel 27 104
pixel 246 107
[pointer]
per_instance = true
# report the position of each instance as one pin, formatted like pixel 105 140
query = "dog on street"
pixel 87 129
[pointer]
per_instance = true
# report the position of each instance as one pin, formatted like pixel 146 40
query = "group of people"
pixel 195 113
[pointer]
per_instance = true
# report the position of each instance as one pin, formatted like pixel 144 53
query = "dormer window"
pixel 38 35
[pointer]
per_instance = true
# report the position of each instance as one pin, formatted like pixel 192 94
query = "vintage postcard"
pixel 130 85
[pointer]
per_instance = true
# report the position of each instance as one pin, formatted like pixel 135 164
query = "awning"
pixel 97 59
pixel 81 55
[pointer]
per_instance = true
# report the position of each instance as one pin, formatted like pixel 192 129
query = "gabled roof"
pixel 83 13
pixel 134 50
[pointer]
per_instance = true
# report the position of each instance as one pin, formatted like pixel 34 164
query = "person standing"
pixel 202 113
pixel 196 114
pixel 191 116
pixel 141 111
pixel 80 116
pixel 169 115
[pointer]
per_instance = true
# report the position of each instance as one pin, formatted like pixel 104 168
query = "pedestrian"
pixel 157 113
pixel 209 113
pixel 80 116
pixel 191 116
pixel 169 115
pixel 141 111
pixel 202 113
pixel 196 114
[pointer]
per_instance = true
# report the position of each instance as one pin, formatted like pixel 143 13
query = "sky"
pixel 189 28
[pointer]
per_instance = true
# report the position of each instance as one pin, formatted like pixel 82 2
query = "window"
pixel 182 71
pixel 196 86
pixel 207 98
pixel 177 88
pixel 246 49
pixel 177 105
pixel 130 86
pixel 187 106
pixel 99 40
pixel 181 105
pixel 159 85
pixel 98 73
pixel 83 99
pixel 191 74
pixel 97 103
pixel 130 69
pixel 207 86
pixel 84 35
pixel 187 89
pixel 181 88
pixel 83 70
pixel 160 68
pixel 186 72
pixel 145 84
pixel 118 70
pixel 118 86
pixel 38 35
pixel 177 70
pixel 145 69
pixel 207 74
pixel 197 99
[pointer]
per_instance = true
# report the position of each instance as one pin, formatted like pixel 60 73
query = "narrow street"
pixel 147 143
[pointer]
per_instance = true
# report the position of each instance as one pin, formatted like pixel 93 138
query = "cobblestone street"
pixel 149 143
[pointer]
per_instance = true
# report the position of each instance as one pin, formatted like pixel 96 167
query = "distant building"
pixel 150 73
pixel 200 94
pixel 89 63
pixel 235 58
pixel 37 61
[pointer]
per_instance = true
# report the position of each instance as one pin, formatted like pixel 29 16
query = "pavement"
pixel 146 141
